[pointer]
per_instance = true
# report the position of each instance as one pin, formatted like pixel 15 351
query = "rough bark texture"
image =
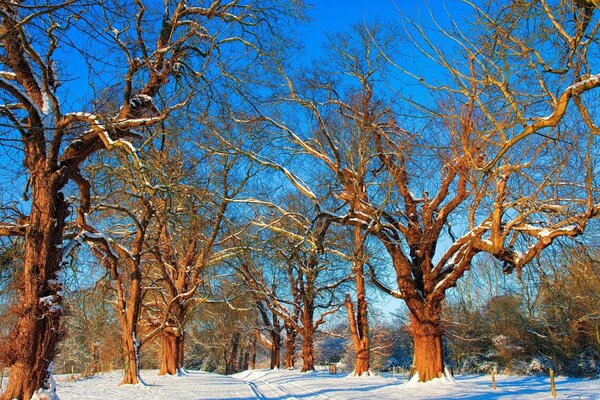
pixel 359 324
pixel 427 337
pixel 172 352
pixel 275 352
pixel 130 358
pixel 231 354
pixel 38 328
pixel 308 359
pixel 360 337
pixel 290 346
pixel 253 354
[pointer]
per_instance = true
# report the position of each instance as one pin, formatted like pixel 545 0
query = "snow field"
pixel 265 384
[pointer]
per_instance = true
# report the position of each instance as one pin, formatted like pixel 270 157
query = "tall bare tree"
pixel 378 161
pixel 54 140
pixel 305 265
pixel 358 320
pixel 193 234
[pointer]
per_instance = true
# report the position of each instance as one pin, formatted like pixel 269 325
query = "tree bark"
pixel 427 337
pixel 253 355
pixel 290 346
pixel 275 349
pixel 129 324
pixel 359 324
pixel 130 347
pixel 308 360
pixel 172 351
pixel 232 354
pixel 33 342
pixel 360 338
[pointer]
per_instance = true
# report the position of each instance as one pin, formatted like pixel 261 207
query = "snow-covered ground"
pixel 292 385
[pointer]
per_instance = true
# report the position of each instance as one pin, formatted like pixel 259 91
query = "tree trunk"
pixel 130 347
pixel 427 337
pixel 172 344
pixel 253 355
pixel 275 349
pixel 360 338
pixel 181 349
pixel 232 354
pixel 290 346
pixel 33 342
pixel 359 324
pixel 129 320
pixel 308 360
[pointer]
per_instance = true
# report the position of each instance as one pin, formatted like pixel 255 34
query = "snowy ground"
pixel 292 385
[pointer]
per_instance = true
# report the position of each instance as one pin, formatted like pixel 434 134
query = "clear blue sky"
pixel 338 15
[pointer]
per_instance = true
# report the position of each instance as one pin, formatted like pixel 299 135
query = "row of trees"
pixel 238 167
pixel 547 320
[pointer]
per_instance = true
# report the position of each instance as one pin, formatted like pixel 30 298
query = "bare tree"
pixel 359 323
pixel 193 234
pixel 269 322
pixel 54 142
pixel 528 85
pixel 512 213
pixel 304 265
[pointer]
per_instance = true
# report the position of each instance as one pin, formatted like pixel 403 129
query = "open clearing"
pixel 293 385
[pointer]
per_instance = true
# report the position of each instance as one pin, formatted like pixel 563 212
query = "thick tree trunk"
pixel 275 350
pixel 129 322
pixel 172 343
pixel 130 347
pixel 33 342
pixel 427 337
pixel 359 324
pixel 232 354
pixel 308 359
pixel 290 346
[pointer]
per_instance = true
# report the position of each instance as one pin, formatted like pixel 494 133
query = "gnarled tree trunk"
pixel 129 325
pixel 33 342
pixel 172 351
pixel 130 347
pixel 308 359
pixel 275 351
pixel 427 335
pixel 290 346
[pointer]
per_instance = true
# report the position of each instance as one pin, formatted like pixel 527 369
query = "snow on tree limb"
pixel 551 120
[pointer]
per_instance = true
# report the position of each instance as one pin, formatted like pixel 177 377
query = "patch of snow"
pixel 48 393
pixel 140 99
pixel 446 379
pixel 47 300
pixel 319 385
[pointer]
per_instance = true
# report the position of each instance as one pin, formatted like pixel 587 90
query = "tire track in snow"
pixel 254 389
pixel 265 391
pixel 307 391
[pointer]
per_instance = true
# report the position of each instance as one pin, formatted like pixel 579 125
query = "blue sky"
pixel 338 15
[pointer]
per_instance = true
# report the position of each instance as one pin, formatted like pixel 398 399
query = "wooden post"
pixel 494 378
pixel 402 370
pixel 72 373
pixel 552 385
